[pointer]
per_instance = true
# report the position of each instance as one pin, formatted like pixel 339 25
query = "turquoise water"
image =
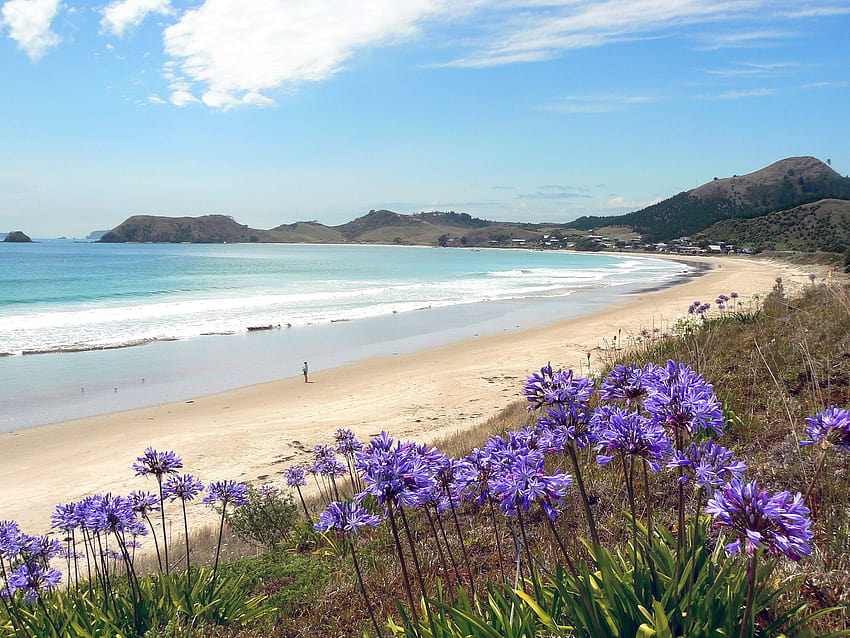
pixel 80 304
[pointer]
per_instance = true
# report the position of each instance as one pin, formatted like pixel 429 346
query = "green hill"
pixel 822 225
pixel 782 185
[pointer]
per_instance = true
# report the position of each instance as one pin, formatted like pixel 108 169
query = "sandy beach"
pixel 254 433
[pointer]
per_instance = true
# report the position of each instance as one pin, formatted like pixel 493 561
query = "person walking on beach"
pixel 305 370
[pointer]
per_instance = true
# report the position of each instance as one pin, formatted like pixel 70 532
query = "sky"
pixel 276 111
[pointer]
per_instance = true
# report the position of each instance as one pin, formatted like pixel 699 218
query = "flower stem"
pixel 588 513
pixel 403 563
pixel 363 588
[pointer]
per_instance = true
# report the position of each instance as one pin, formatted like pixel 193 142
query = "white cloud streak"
pixel 29 23
pixel 123 15
pixel 598 103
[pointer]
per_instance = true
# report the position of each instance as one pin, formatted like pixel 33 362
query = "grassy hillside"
pixel 822 225
pixel 780 186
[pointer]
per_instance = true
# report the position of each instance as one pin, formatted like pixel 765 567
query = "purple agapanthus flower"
pixel 227 492
pixel 620 432
pixel 681 399
pixel 778 522
pixel 344 517
pixel 628 382
pixel 549 387
pixel 267 490
pixel 562 427
pixel 481 470
pixel 395 473
pixel 707 463
pixel 832 426
pixel 328 466
pixel 33 579
pixel 144 502
pixel 346 443
pixel 522 482
pixel 65 518
pixel 185 488
pixel 113 514
pixel 11 540
pixel 296 476
pixel 157 463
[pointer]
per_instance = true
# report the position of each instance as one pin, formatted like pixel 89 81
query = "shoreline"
pixel 253 433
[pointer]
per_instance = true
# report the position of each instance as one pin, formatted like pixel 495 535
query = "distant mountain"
pixel 95 235
pixel 822 225
pixel 787 183
pixel 208 229
pixel 376 227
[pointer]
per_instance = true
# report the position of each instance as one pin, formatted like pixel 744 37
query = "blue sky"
pixel 274 111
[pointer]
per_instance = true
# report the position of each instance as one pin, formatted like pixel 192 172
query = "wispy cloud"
pixel 750 69
pixel 121 15
pixel 739 94
pixel 546 29
pixel 29 24
pixel 556 192
pixel 827 85
pixel 608 103
pixel 753 39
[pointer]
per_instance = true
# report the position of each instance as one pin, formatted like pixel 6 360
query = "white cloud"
pixel 598 103
pixel 744 39
pixel 737 95
pixel 182 98
pixel 121 15
pixel 232 50
pixel 28 22
pixel 621 202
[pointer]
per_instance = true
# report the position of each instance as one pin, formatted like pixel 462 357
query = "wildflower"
pixel 227 492
pixel 623 433
pixel 345 517
pixel 346 443
pixel 832 426
pixel 65 518
pixel 778 522
pixel 522 482
pixel 296 476
pixel 267 490
pixel 115 514
pixel 11 540
pixel 562 426
pixel 481 470
pixel 157 463
pixel 32 579
pixel 184 487
pixel 709 464
pixel 549 387
pixel 144 502
pixel 682 400
pixel 395 473
pixel 628 383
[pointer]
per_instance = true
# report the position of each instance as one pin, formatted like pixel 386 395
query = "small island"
pixel 17 236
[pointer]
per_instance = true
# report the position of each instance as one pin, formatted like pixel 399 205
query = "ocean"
pixel 89 328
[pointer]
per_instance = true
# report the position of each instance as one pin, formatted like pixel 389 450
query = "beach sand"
pixel 255 433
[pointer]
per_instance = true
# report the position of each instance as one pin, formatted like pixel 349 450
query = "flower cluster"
pixel 31 576
pixel 831 426
pixel 157 463
pixel 708 464
pixel 778 522
pixel 344 517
